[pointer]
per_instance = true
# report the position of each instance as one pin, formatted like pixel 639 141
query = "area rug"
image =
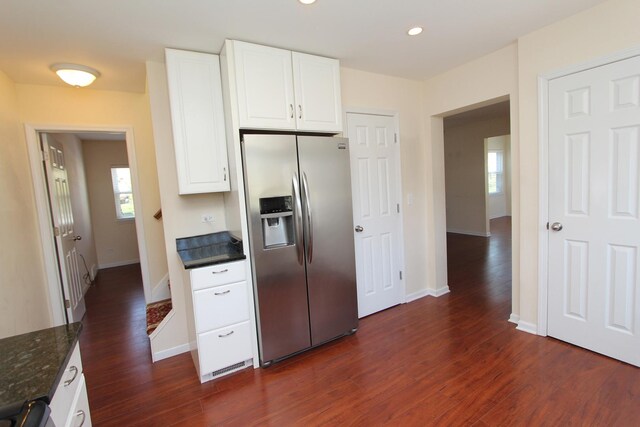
pixel 157 311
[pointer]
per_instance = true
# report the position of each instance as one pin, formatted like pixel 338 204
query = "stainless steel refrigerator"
pixel 298 195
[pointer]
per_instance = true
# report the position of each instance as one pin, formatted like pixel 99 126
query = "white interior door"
pixel 62 215
pixel 375 179
pixel 594 139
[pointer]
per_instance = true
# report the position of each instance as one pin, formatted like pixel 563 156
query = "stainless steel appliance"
pixel 298 192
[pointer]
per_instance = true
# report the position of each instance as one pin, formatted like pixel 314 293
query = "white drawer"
pixel 79 415
pixel 216 275
pixel 224 347
pixel 67 388
pixel 220 306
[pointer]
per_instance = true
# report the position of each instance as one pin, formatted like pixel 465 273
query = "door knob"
pixel 556 226
pixel 359 229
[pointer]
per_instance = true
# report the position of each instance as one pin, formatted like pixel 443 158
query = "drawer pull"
pixel 225 335
pixel 84 417
pixel 220 272
pixel 222 293
pixel 75 374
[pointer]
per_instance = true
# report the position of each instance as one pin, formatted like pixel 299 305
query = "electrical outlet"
pixel 207 218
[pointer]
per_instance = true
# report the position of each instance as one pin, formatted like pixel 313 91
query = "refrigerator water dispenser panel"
pixel 276 214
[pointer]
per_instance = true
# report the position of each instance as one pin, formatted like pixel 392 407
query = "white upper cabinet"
pixel 197 116
pixel 284 90
pixel 317 92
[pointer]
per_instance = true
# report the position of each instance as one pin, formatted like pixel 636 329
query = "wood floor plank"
pixel 453 360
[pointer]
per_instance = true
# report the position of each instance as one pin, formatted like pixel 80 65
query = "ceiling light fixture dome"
pixel 307 1
pixel 75 75
pixel 414 31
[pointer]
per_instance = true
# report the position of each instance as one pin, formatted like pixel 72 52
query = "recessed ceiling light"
pixel 307 1
pixel 75 75
pixel 414 31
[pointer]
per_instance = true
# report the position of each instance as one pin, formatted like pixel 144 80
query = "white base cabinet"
pixel 221 316
pixel 70 404
pixel 278 89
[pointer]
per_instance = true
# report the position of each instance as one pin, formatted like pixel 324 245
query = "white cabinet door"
pixel 264 87
pixel 224 347
pixel 197 115
pixel 317 93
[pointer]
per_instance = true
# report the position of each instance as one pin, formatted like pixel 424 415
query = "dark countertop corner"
pixel 32 364
pixel 209 249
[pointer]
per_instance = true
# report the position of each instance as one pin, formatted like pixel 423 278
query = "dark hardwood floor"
pixel 453 360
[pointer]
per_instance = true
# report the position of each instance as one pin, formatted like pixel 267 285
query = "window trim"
pixel 499 173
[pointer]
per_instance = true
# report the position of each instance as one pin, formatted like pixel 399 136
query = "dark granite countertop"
pixel 209 249
pixel 32 364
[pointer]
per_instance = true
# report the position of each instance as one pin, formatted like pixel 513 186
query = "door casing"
pixel 543 171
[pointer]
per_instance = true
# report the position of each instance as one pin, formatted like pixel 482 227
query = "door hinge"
pixel 400 274
pixel 67 304
pixel 398 207
pixel 45 155
pixel 56 231
pixel 395 138
pixel 547 226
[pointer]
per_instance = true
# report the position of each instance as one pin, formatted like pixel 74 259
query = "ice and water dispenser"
pixel 276 214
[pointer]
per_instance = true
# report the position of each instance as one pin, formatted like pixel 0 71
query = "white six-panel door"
pixel 62 213
pixel 594 161
pixel 376 204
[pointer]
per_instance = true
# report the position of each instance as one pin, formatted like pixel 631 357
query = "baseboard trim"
pixel 118 263
pixel 161 290
pixel 416 295
pixel 514 318
pixel 530 328
pixel 469 233
pixel 93 272
pixel 170 352
pixel 426 293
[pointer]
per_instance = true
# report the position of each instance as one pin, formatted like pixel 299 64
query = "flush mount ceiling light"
pixel 75 75
pixel 414 31
pixel 307 1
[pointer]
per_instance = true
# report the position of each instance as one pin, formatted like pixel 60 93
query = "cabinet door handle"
pixel 220 272
pixel 222 293
pixel 291 110
pixel 75 374
pixel 225 335
pixel 299 111
pixel 84 417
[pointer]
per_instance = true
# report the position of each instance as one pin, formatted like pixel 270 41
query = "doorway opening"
pixel 477 165
pixel 56 292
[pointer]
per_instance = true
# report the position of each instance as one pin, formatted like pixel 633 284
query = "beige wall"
pixel 116 241
pixel 49 105
pixel 370 91
pixel 464 157
pixel 597 32
pixel 181 214
pixel 24 304
pixel 79 199
pixel 491 77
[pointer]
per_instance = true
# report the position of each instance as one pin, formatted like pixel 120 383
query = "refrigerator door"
pixel 275 227
pixel 328 223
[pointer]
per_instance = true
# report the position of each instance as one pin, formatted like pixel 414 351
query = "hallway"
pixel 453 360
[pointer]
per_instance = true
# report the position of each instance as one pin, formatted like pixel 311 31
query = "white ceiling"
pixel 118 36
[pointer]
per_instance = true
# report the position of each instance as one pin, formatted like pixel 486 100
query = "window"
pixel 494 171
pixel 121 180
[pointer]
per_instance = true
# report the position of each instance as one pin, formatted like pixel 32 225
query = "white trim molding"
pixel 528 327
pixel 161 290
pixel 426 293
pixel 543 183
pixel 514 318
pixel 469 233
pixel 170 352
pixel 118 263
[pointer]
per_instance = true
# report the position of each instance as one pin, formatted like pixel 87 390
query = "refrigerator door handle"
pixel 297 219
pixel 307 200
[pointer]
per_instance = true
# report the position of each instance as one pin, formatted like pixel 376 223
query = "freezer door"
pixel 276 243
pixel 328 223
